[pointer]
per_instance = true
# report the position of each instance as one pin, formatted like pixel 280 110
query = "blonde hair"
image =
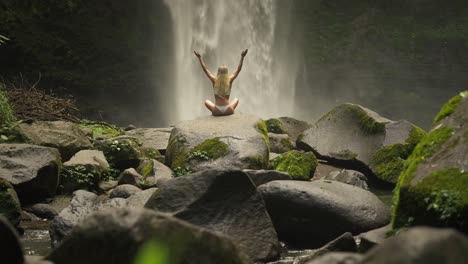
pixel 222 84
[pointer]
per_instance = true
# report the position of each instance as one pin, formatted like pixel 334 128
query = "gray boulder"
pixel 337 258
pixel 224 201
pixel 293 127
pixel 10 206
pixel 117 235
pixel 260 177
pixel 421 245
pixel 235 141
pixel 372 238
pixel 124 191
pixel 352 177
pixel 358 138
pixel 130 176
pixel 432 190
pixel 314 213
pixel 139 199
pixel 32 170
pixel 43 211
pixel 67 137
pixel 83 171
pixel 82 205
pixel 105 186
pixel 280 143
pixel 156 138
pixel 12 251
pixel 153 172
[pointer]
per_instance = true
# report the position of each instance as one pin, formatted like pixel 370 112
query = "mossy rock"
pixel 9 203
pixel 101 129
pixel 432 189
pixel 357 138
pixel 122 152
pixel 275 126
pixel 79 177
pixel 300 165
pixel 280 143
pixel 236 141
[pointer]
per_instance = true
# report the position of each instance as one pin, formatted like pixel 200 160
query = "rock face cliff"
pixel 105 53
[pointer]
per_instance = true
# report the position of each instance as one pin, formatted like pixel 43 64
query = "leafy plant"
pixel 7 116
pixel 443 203
pixel 199 155
pixel 180 171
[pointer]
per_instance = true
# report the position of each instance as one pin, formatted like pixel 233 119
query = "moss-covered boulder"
pixel 100 129
pixel 83 171
pixel 300 165
pixel 433 188
pixel 235 141
pixel 155 138
pixel 10 207
pixel 65 136
pixel 357 138
pixel 121 152
pixel 32 170
pixel 280 143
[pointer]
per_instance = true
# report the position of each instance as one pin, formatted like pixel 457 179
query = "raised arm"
pixel 203 65
pixel 239 68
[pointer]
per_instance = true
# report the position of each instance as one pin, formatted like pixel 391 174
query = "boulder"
pixel 156 138
pixel 124 191
pixel 153 172
pixel 421 245
pixel 67 137
pixel 31 259
pixel 105 186
pixel 118 235
pixel 372 238
pixel 43 211
pixel 235 141
pixel 220 200
pixel 358 138
pixel 344 243
pixel 10 207
pixel 280 143
pixel 32 170
pixel 349 177
pixel 121 152
pixel 311 214
pixel 293 127
pixel 83 171
pixel 82 205
pixel 337 258
pixel 130 176
pixel 432 190
pixel 260 177
pixel 300 165
pixel 12 251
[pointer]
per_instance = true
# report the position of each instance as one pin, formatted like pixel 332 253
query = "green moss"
pixel 275 126
pixel 450 107
pixel 152 153
pixel 440 199
pixel 424 150
pixel 388 162
pixel 121 153
pixel 367 123
pixel 209 149
pixel 301 166
pixel 262 128
pixel 146 168
pixel 78 177
pixel 286 143
pixel 9 208
pixel 101 128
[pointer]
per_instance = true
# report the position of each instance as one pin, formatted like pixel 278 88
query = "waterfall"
pixel 220 30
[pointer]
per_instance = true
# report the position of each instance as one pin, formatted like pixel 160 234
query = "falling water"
pixel 220 30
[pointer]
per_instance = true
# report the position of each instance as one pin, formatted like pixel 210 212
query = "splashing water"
pixel 220 30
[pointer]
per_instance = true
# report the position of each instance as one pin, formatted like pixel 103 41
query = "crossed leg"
pixel 216 112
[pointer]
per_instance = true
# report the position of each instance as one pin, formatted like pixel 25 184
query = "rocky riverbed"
pixel 238 189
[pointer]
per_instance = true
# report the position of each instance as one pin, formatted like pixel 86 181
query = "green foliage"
pixel 181 171
pixel 101 128
pixel 198 155
pixel 152 252
pixel 450 106
pixel 443 203
pixel 78 177
pixel 209 149
pixel 275 126
pixel 121 153
pixel 110 174
pixel 7 116
pixel 301 166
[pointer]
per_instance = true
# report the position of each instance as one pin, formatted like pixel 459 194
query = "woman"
pixel 222 84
